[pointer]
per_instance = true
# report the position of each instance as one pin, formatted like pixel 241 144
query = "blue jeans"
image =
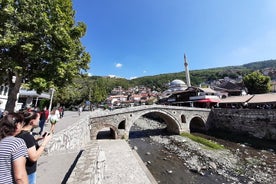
pixel 32 178
pixel 41 125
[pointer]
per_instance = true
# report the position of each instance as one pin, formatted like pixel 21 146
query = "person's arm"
pixel 19 171
pixel 34 153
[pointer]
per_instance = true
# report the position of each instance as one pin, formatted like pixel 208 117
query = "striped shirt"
pixel 11 148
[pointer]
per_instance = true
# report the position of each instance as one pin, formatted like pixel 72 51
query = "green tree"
pixel 99 92
pixel 39 45
pixel 257 83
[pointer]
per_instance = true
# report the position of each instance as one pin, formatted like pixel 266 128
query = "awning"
pixel 208 100
pixel 33 93
pixel 236 99
pixel 263 98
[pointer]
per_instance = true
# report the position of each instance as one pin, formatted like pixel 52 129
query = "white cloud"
pixel 132 78
pixel 144 71
pixel 112 76
pixel 118 65
pixel 88 74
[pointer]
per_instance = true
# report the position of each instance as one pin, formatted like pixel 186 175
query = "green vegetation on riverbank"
pixel 205 142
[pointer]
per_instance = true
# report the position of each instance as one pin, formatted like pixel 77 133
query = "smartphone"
pixel 46 133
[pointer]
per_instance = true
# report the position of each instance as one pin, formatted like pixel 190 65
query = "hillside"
pixel 159 82
pixel 205 75
pixel 97 88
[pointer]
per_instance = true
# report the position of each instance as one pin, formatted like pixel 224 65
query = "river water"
pixel 168 168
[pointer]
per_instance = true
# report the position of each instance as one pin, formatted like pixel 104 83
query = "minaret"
pixel 187 71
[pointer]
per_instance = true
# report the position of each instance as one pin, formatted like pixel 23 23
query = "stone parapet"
pixel 72 138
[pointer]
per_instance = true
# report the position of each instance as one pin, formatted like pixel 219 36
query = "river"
pixel 166 167
pixel 169 164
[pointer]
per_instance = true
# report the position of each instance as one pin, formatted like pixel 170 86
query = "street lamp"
pixel 13 79
pixel 52 90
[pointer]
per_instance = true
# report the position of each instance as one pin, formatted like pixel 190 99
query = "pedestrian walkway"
pixel 123 165
pixel 56 168
pixel 120 164
pixel 69 118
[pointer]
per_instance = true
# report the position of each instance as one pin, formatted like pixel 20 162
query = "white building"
pixel 3 97
pixel 31 97
pixel 26 97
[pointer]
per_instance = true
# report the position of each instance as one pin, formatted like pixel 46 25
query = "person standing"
pixel 43 117
pixel 61 111
pixel 80 110
pixel 13 151
pixel 53 118
pixel 34 149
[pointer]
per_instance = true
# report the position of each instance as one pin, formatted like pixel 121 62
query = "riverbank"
pixel 238 163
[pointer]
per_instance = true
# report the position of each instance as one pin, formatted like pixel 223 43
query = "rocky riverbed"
pixel 237 163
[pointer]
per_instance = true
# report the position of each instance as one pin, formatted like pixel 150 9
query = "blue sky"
pixel 135 38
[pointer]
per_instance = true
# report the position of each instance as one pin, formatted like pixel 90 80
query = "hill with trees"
pixel 204 76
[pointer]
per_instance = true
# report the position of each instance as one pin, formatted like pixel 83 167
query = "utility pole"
pixel 52 90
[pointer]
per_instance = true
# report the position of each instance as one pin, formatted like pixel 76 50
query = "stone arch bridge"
pixel 178 119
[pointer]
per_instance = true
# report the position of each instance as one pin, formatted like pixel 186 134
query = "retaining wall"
pixel 259 123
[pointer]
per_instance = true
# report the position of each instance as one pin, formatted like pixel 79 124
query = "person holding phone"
pixel 13 151
pixel 34 149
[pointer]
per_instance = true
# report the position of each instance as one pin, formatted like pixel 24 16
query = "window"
pixel 6 89
pixel 1 90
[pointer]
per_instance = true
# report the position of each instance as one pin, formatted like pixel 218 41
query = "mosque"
pixel 183 94
pixel 178 85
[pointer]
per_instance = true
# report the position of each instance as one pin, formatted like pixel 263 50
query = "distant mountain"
pixel 260 65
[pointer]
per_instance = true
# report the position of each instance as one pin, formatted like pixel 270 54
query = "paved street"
pixel 69 118
pixel 53 169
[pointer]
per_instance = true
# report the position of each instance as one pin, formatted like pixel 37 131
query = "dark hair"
pixel 8 124
pixel 28 116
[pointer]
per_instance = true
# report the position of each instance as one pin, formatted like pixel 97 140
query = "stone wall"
pixel 72 138
pixel 259 123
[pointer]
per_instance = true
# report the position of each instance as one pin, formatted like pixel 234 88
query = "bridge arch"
pixel 122 124
pixel 112 131
pixel 172 123
pixel 198 124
